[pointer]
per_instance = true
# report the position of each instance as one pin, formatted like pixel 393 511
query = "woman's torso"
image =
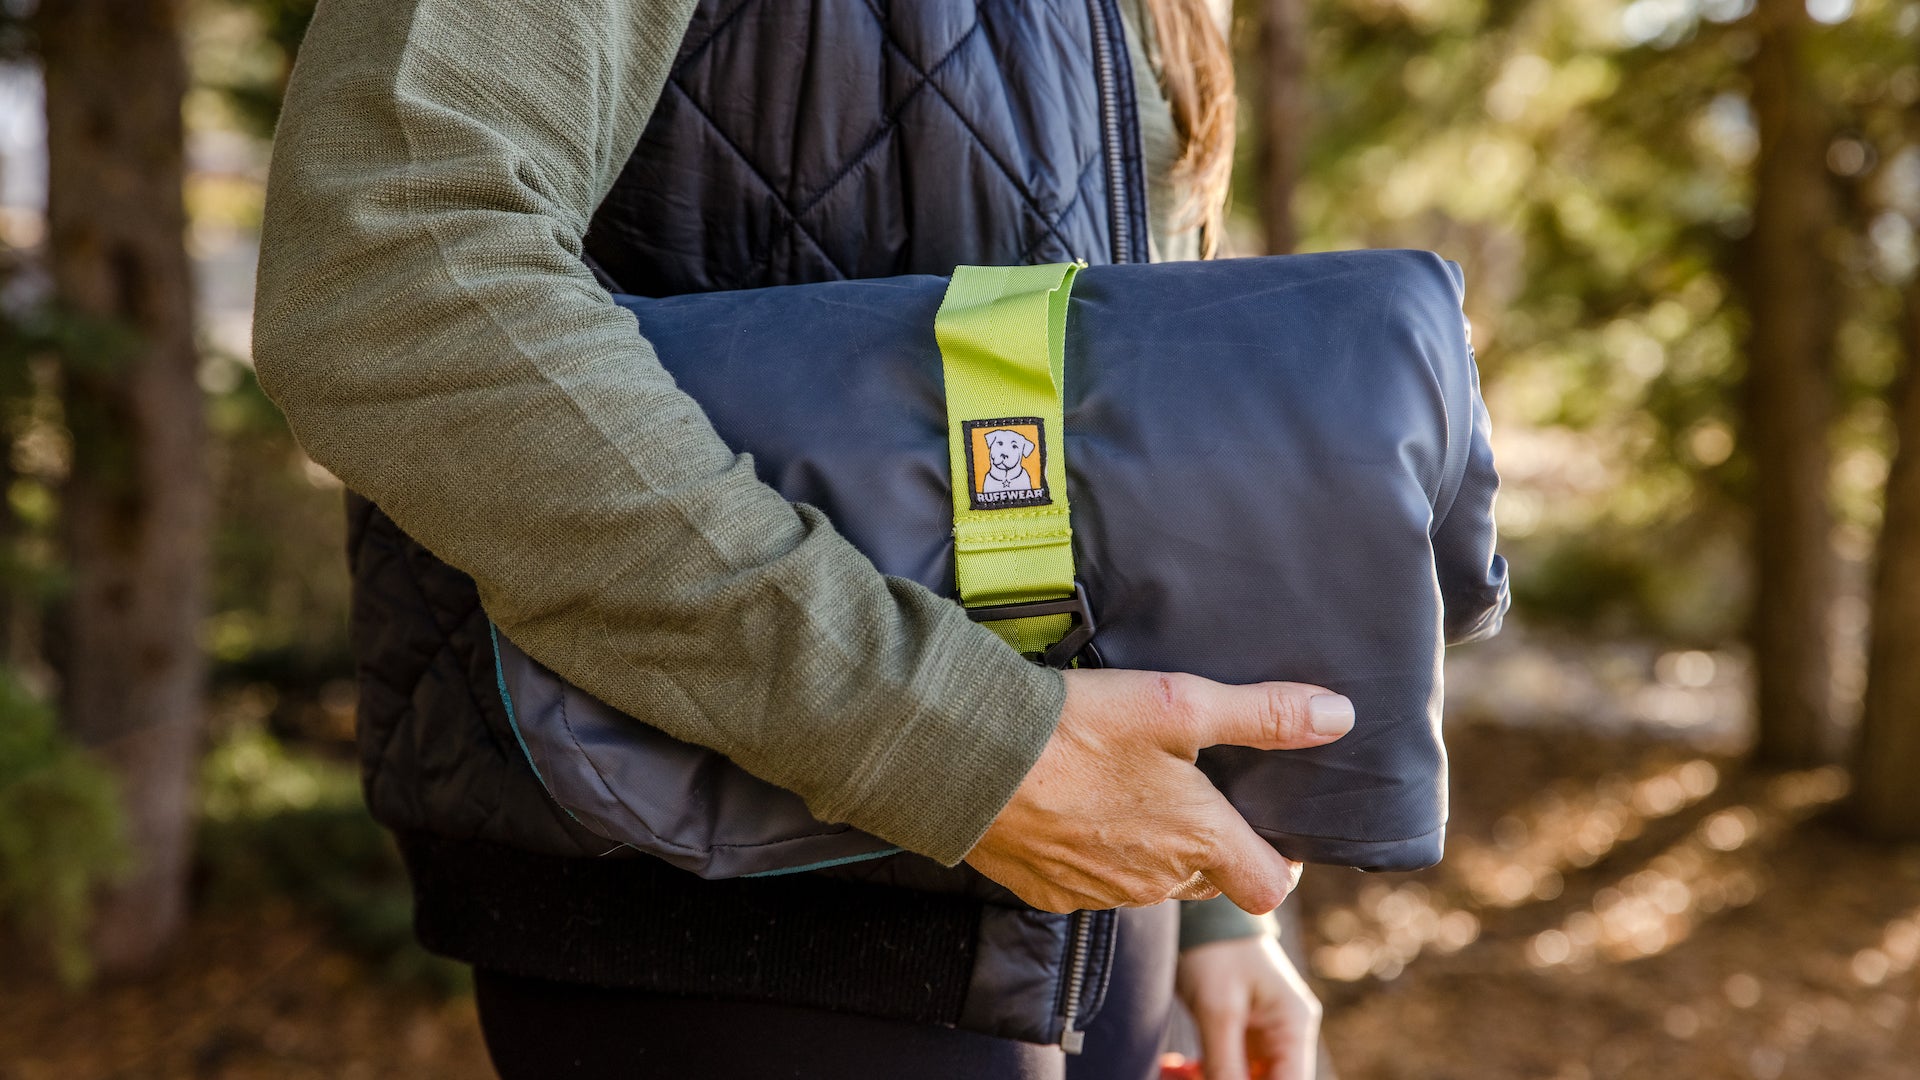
pixel 795 142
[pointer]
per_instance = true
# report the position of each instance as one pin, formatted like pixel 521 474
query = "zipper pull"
pixel 1079 935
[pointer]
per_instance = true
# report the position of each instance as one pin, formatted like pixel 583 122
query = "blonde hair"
pixel 1196 73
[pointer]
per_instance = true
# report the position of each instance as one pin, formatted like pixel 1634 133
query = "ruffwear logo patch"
pixel 1006 460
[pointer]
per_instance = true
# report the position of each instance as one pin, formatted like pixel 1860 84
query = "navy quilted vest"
pixel 794 142
pixel 924 136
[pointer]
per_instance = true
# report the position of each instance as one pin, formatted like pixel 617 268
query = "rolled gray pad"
pixel 1279 469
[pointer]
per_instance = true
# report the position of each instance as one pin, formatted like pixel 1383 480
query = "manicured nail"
pixel 1330 714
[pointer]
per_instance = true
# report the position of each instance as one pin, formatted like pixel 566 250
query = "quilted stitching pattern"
pixel 435 751
pixel 946 131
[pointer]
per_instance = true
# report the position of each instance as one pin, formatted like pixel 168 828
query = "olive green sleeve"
pixel 1203 922
pixel 425 322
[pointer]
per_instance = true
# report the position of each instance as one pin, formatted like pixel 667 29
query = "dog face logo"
pixel 1007 463
pixel 1007 452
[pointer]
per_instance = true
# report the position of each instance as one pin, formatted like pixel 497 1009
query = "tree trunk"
pixel 13 601
pixel 1281 60
pixel 1887 762
pixel 137 504
pixel 1786 274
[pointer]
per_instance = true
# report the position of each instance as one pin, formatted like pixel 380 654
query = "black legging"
pixel 539 1030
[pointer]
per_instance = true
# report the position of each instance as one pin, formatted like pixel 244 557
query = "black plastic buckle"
pixel 1077 645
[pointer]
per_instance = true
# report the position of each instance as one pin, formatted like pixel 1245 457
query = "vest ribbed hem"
pixel 638 923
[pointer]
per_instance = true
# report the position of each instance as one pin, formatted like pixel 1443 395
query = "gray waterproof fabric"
pixel 1279 469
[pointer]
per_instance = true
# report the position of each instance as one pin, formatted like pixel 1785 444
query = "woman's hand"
pixel 1114 814
pixel 1249 1003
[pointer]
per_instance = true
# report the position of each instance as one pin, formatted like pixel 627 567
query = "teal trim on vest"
pixel 825 863
pixel 506 699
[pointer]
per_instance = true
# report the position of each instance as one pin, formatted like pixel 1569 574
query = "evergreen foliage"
pixel 61 835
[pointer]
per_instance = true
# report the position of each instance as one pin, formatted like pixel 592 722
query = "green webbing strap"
pixel 1002 333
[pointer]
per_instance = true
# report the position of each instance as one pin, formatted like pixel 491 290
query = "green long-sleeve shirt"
pixel 424 319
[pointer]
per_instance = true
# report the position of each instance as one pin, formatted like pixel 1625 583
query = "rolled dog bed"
pixel 1278 469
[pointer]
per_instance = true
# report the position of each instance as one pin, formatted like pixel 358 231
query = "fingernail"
pixel 1330 714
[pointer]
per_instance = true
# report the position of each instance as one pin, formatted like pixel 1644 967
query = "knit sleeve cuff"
pixel 1203 922
pixel 985 714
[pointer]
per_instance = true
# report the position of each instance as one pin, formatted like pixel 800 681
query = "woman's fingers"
pixel 1245 867
pixel 1196 887
pixel 1252 1009
pixel 1118 815
pixel 1286 1050
pixel 1223 1042
pixel 1287 1021
pixel 1266 716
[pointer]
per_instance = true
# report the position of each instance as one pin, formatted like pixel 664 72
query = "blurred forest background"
pixel 1687 826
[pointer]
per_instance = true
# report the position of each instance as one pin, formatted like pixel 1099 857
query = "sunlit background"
pixel 1628 892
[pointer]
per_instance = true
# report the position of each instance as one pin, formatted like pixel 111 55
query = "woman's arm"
pixel 424 320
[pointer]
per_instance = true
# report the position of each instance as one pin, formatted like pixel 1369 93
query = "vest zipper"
pixel 1079 936
pixel 1120 220
pixel 1105 69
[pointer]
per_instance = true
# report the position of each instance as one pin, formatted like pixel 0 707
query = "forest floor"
pixel 1624 907
pixel 1611 905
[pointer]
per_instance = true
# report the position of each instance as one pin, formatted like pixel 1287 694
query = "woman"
pixel 448 181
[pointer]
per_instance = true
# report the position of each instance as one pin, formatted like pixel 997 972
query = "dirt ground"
pixel 1610 907
pixel 1618 907
pixel 250 996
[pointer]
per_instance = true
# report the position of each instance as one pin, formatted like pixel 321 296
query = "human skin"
pixel 1252 1009
pixel 1116 814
